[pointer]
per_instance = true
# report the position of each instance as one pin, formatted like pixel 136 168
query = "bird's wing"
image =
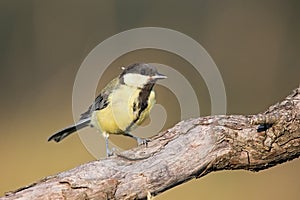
pixel 101 100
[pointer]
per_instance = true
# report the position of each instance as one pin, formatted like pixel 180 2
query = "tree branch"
pixel 191 149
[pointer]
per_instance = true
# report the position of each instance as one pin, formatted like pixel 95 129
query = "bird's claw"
pixel 142 141
pixel 110 152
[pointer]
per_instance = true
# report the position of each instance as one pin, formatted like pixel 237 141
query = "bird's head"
pixel 140 74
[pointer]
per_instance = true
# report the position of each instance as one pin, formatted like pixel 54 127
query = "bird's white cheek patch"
pixel 135 80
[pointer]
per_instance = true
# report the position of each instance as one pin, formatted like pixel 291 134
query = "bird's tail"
pixel 70 129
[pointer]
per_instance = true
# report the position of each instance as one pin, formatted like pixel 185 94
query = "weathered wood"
pixel 190 149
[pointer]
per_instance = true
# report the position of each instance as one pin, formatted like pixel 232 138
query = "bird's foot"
pixel 110 152
pixel 142 141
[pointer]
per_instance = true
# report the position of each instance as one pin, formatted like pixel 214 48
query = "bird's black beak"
pixel 158 76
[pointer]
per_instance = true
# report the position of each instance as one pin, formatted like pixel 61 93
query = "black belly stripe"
pixel 143 98
pixel 142 103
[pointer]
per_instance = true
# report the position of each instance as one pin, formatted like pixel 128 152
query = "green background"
pixel 255 45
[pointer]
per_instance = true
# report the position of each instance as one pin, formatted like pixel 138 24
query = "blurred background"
pixel 255 45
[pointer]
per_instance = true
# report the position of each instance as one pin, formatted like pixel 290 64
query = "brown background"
pixel 255 44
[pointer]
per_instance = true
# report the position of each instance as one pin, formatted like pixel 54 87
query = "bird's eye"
pixel 143 71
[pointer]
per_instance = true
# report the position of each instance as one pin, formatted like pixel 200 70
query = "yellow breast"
pixel 119 114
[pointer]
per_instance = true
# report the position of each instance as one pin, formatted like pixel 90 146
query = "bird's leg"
pixel 108 151
pixel 140 141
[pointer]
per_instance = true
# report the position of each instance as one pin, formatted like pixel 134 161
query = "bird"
pixel 123 104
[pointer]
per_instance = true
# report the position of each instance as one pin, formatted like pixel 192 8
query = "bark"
pixel 191 149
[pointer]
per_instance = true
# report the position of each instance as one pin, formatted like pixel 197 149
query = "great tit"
pixel 123 104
